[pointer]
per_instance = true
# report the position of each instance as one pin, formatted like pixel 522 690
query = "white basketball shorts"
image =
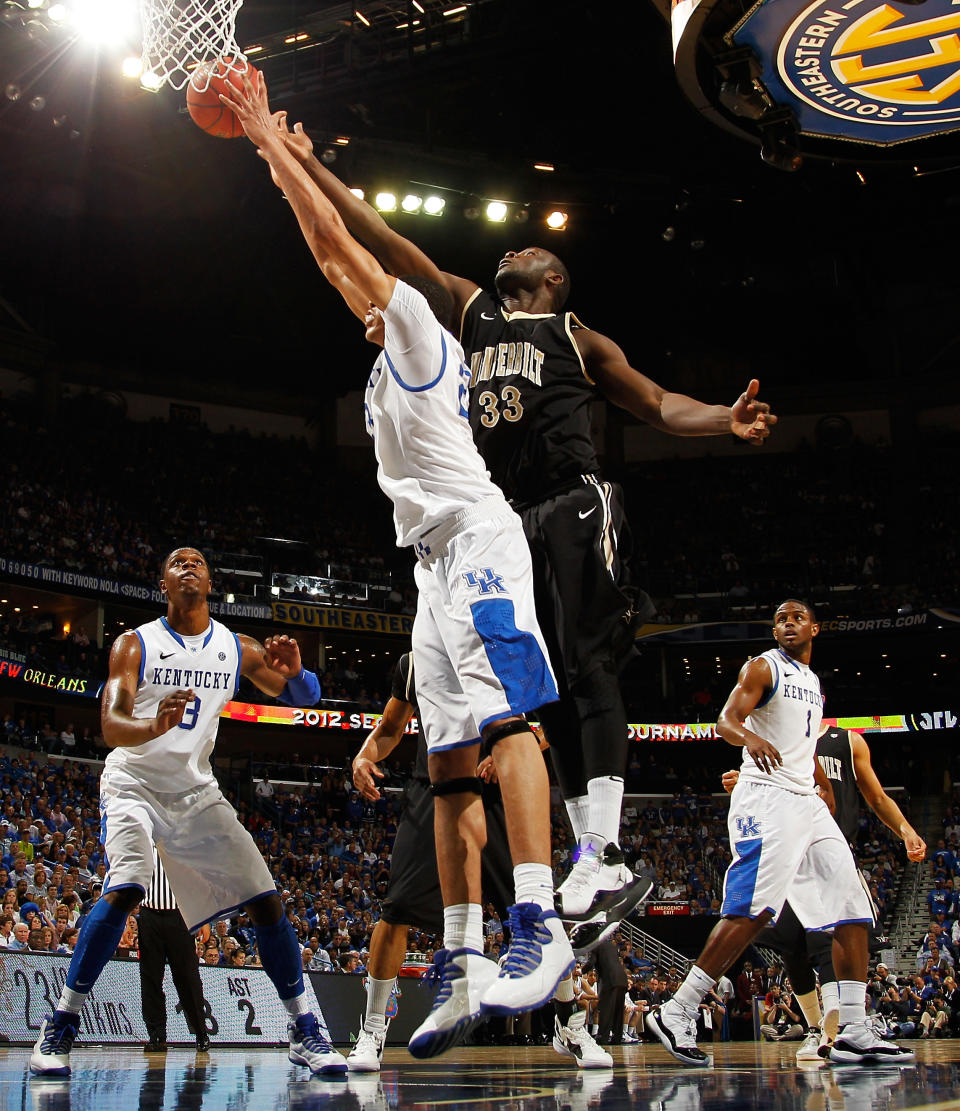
pixel 211 861
pixel 787 846
pixel 478 651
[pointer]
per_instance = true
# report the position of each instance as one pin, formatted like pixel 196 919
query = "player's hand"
pixel 764 755
pixel 282 654
pixel 915 845
pixel 298 141
pixel 170 711
pixel 363 772
pixel 729 780
pixel 487 770
pixel 750 419
pixel 826 793
pixel 252 108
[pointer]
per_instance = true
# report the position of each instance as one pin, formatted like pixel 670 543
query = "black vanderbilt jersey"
pixel 529 398
pixel 403 687
pixel 835 754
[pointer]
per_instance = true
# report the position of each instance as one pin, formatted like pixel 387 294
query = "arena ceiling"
pixel 139 251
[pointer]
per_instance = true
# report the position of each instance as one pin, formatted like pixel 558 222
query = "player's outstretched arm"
pixel 399 255
pixel 880 802
pixel 120 728
pixel 325 232
pixel 275 668
pixel 380 742
pixel 748 418
pixel 754 682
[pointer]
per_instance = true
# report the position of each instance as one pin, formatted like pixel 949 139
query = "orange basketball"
pixel 205 108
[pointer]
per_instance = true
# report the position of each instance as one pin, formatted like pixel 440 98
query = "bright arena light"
pixel 359 193
pixel 132 67
pixel 557 220
pixel 151 80
pixel 57 13
pixel 411 203
pixel 386 202
pixel 496 212
pixel 433 206
pixel 108 22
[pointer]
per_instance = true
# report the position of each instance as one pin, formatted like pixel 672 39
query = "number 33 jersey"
pixel 529 399
pixel 789 718
pixel 207 664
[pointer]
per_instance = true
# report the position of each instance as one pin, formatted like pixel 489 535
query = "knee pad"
pixel 494 733
pixel 466 784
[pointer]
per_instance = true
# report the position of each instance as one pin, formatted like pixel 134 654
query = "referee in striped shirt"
pixel 164 937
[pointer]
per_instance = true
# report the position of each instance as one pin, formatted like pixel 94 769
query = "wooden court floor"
pixel 746 1075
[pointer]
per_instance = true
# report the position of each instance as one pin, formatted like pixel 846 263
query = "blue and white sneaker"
pixel 539 957
pixel 464 975
pixel 51 1054
pixel 309 1047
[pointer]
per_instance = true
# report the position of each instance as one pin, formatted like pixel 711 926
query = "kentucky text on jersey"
pixel 802 694
pixel 193 678
pixel 503 359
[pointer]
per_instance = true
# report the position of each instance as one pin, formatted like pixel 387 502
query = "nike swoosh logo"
pixel 581 515
pixel 167 656
pixel 483 316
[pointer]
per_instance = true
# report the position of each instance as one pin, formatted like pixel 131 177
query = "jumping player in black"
pixel 845 760
pixel 534 371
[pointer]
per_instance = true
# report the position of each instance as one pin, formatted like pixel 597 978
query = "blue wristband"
pixel 301 690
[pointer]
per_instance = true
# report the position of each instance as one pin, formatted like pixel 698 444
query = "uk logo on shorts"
pixel 748 827
pixel 485 580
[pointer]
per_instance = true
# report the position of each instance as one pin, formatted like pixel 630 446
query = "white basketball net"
pixel 184 39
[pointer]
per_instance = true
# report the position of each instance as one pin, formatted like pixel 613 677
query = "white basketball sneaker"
pixel 678 1032
pixel 859 1043
pixel 595 883
pixel 309 1047
pixel 810 1046
pixel 51 1053
pixel 539 957
pixel 367 1052
pixel 574 1040
pixel 464 975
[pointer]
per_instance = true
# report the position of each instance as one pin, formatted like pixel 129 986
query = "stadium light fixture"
pixel 557 220
pixel 434 206
pixel 411 203
pixel 386 202
pixel 496 212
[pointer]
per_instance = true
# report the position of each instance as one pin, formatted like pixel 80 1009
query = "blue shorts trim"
pixel 514 655
pixel 453 745
pixel 122 886
pixel 741 879
pixel 227 911
pixel 843 922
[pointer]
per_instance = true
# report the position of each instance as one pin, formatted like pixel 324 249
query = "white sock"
pixel 853 1006
pixel 830 994
pixel 463 926
pixel 694 988
pixel 533 883
pixel 594 1029
pixel 564 992
pixel 606 800
pixel 810 1005
pixel 378 996
pixel 72 1001
pixel 577 812
pixel 298 1005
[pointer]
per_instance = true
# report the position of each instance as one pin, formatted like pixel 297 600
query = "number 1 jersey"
pixel 529 399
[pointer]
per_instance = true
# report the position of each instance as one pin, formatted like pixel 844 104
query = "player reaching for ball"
pixel 167 684
pixel 480 658
pixel 535 372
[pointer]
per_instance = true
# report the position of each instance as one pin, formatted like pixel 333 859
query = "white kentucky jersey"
pixel 209 665
pixel 789 718
pixel 417 409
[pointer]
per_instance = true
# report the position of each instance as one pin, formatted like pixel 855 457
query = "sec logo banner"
pixel 864 70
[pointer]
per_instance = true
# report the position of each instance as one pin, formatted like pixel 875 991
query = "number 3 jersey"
pixel 207 664
pixel 529 399
pixel 789 718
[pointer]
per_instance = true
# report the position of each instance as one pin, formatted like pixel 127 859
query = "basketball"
pixel 206 109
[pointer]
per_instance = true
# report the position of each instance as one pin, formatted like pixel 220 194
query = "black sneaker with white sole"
pixel 678 1033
